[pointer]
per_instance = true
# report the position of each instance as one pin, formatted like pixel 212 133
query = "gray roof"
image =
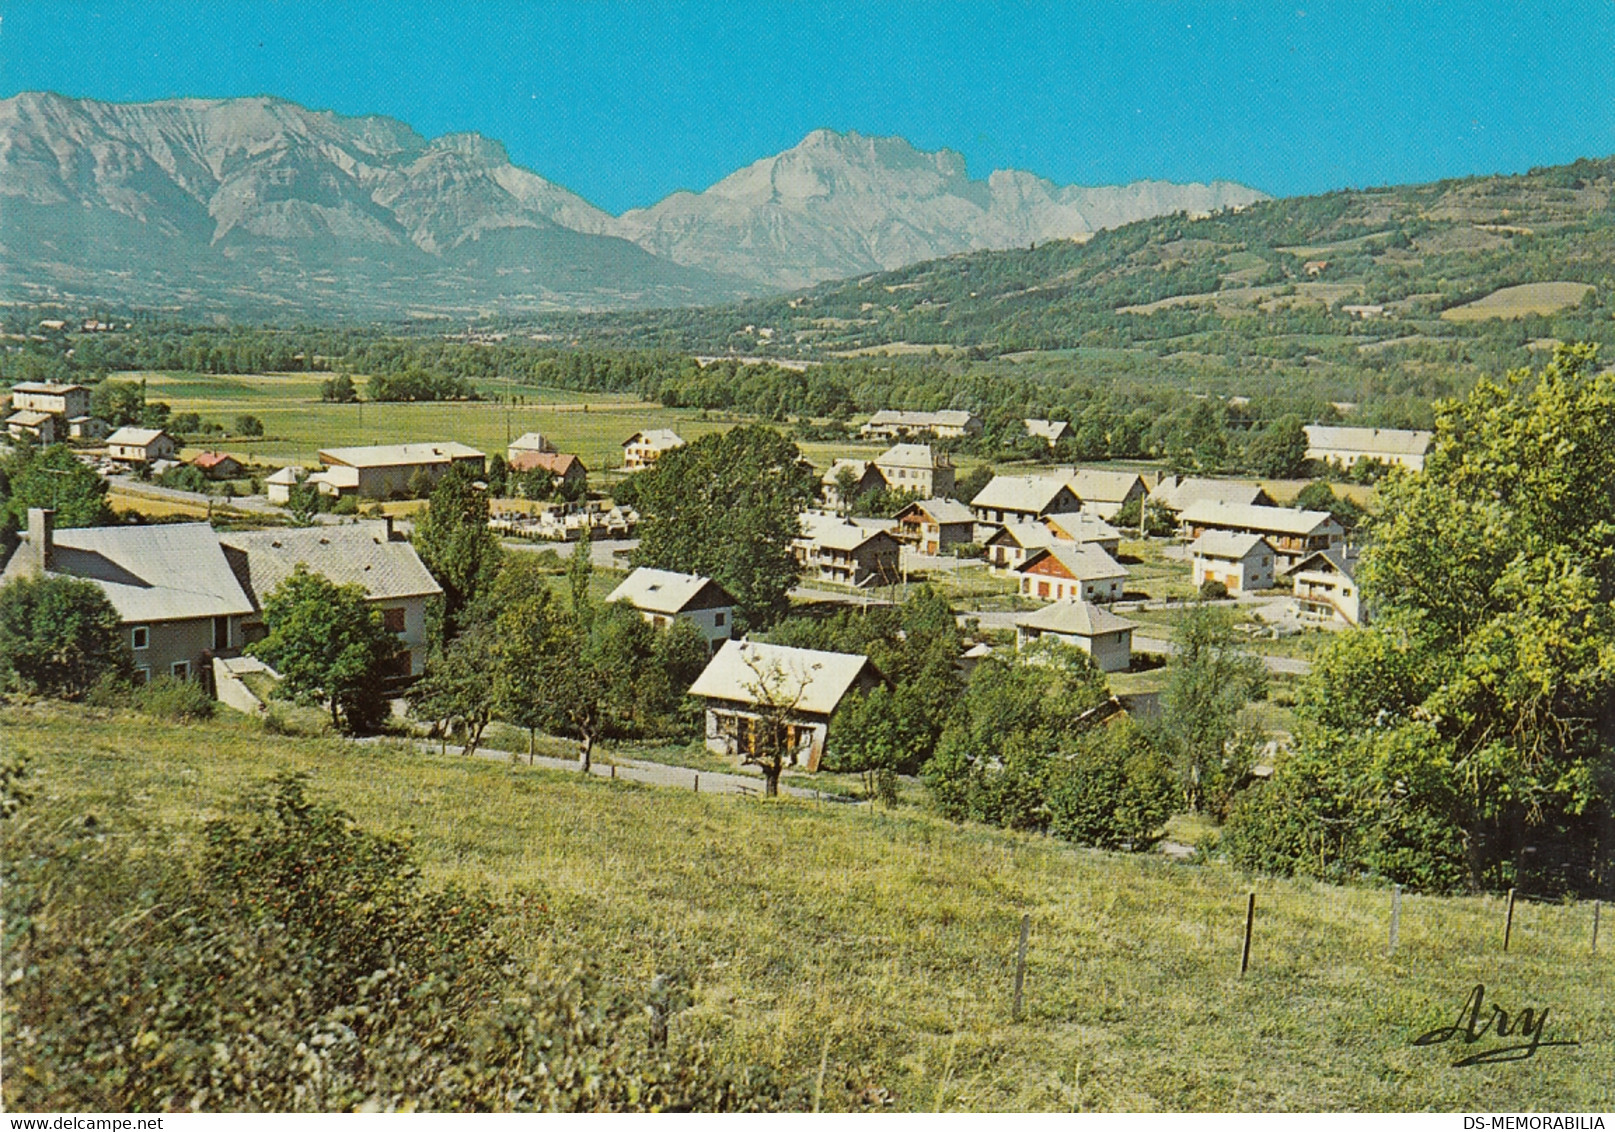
pixel 659 438
pixel 1227 544
pixel 908 456
pixel 1048 430
pixel 394 455
pixel 858 467
pixel 1324 560
pixel 162 572
pixel 48 388
pixel 947 418
pixel 129 434
pixel 1240 516
pixel 1178 494
pixel 28 418
pixel 1020 493
pixel 744 671
pixel 1083 561
pixel 942 510
pixel 1102 486
pixel 664 591
pixel 1372 441
pixel 360 553
pixel 833 531
pixel 1074 618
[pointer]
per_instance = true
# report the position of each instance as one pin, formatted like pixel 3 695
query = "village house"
pixel 565 469
pixel 131 445
pixel 1097 631
pixel 217 465
pixel 1009 548
pixel 1173 494
pixel 1344 447
pixel 1105 493
pixel 383 471
pixel 847 553
pixel 65 401
pixel 1051 431
pixel 1078 526
pixel 1083 572
pixel 916 468
pixel 749 681
pixel 88 428
pixel 1326 588
pixel 32 425
pixel 178 602
pixel 527 442
pixel 368 554
pixel 1241 562
pixel 643 449
pixel 1292 534
pixel 931 526
pixel 278 485
pixel 894 424
pixel 863 475
pixel 1011 499
pixel 665 596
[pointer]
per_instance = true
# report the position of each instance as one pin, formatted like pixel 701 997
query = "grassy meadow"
pixel 869 954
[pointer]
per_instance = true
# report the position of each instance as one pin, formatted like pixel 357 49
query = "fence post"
pixel 1020 964
pixel 1508 920
pixel 1596 905
pixel 1396 916
pixel 613 772
pixel 698 784
pixel 1250 919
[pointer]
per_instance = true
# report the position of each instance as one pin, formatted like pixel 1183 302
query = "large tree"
pixel 1279 450
pixel 58 637
pixel 330 646
pixel 1210 678
pixel 726 506
pixel 456 545
pixel 51 477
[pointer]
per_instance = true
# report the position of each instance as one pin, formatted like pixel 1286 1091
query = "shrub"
pixel 58 637
pixel 1114 791
pixel 1212 590
pixel 182 701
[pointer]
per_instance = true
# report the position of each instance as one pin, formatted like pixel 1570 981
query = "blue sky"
pixel 625 102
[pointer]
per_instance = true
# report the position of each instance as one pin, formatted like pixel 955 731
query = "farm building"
pixel 747 681
pixel 1010 499
pixel 1062 571
pixel 1093 629
pixel 367 554
pixel 894 424
pixel 88 428
pixel 217 465
pixel 663 596
pixel 178 602
pixel 1051 431
pixel 1344 447
pixel 834 549
pixel 1241 562
pixel 132 445
pixel 1105 493
pixel 931 526
pixel 1292 534
pixel 1326 588
pixel 643 449
pixel 385 470
pixel 59 400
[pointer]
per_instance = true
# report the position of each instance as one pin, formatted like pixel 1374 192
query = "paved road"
pixel 602 552
pixel 1273 663
pixel 252 504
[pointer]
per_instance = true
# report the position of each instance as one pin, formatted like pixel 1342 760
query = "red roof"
pixel 212 460
pixel 555 463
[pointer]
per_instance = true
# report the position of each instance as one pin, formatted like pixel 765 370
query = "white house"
pixel 916 468
pixel 1104 493
pixel 382 470
pixel 1063 571
pixel 833 549
pixel 59 400
pixel 1092 628
pixel 1344 447
pixel 132 445
pixel 1051 431
pixel 643 449
pixel 1326 588
pixel 1241 562
pixel 1010 499
pixel 29 424
pixel 528 442
pixel 278 485
pixel 1292 534
pixel 894 423
pixel 663 596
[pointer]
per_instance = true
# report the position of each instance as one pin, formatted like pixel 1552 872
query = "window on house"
pixel 180 670
pixel 143 674
pixel 718 619
pixel 392 620
pixel 140 637
pixel 221 634
pixel 1042 589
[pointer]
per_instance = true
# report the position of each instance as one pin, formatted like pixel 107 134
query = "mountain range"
pixel 259 207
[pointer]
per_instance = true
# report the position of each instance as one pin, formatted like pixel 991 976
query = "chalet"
pixel 1105 493
pixel 65 401
pixel 278 486
pixel 1008 549
pixel 385 470
pixel 748 681
pixel 643 449
pixel 130 445
pixel 1051 431
pixel 894 424
pixel 664 596
pixel 565 469
pixel 1173 494
pixel 916 468
pixel 367 554
pixel 833 549
pixel 527 442
pixel 931 526
pixel 1010 499
pixel 1083 572
pixel 217 465
pixel 1241 562
pixel 1292 534
pixel 1078 526
pixel 1344 447
pixel 1326 588
pixel 31 425
pixel 864 477
pixel 178 602
pixel 1097 631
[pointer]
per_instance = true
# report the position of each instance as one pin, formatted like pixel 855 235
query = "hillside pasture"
pixel 1518 302
pixel 868 955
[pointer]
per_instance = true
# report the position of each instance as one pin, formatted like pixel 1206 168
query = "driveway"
pixel 602 552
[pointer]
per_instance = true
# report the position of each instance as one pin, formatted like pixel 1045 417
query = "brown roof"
pixel 213 459
pixel 555 463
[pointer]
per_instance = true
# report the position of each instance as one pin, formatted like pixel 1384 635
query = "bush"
pixel 59 637
pixel 1212 590
pixel 182 701
pixel 1115 791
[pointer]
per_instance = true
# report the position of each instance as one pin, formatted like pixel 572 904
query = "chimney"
pixel 41 537
pixel 388 521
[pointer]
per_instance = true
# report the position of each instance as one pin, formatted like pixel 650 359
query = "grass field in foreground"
pixel 881 944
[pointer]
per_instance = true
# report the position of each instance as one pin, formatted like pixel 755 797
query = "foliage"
pixel 1209 680
pixel 1319 496
pixel 1158 521
pixel 185 477
pixel 455 543
pixel 1213 590
pixel 245 424
pixel 455 689
pixel 725 507
pixel 1114 790
pixel 330 646
pixel 168 697
pixel 420 385
pixel 51 477
pixel 299 963
pixel 339 389
pixel 58 637
pixel 1279 450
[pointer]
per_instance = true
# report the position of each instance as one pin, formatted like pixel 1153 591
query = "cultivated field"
pixel 1517 302
pixel 871 953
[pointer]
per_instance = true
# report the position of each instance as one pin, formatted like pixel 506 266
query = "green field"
pixel 872 952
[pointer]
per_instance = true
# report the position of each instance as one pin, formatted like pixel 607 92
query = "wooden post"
pixel 613 772
pixel 1020 964
pixel 698 784
pixel 1396 917
pixel 1508 920
pixel 1250 920
pixel 1596 905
